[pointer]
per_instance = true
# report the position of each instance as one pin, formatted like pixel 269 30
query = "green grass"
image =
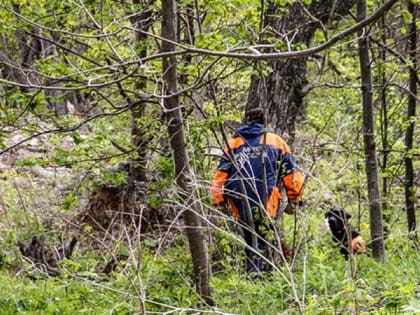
pixel 161 284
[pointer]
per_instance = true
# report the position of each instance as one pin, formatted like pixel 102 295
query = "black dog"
pixel 343 233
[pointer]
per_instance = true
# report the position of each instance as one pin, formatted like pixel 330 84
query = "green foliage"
pixel 55 296
pixel 70 201
pixel 321 281
pixel 98 56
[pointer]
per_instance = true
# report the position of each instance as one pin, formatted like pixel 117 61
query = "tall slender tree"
pixel 409 134
pixel 141 23
pixel 384 129
pixel 187 192
pixel 371 163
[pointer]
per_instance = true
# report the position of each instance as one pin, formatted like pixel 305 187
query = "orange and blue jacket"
pixel 254 165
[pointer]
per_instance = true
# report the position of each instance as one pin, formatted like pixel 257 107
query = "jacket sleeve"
pixel 220 178
pixel 291 177
pixel 293 183
pixel 216 189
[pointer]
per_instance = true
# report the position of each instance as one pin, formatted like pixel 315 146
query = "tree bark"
pixel 282 90
pixel 410 196
pixel 371 163
pixel 186 190
pixel 141 22
pixel 383 79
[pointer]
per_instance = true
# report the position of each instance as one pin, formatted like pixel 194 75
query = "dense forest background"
pixel 113 114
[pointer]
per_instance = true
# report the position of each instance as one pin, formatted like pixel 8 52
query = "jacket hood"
pixel 251 130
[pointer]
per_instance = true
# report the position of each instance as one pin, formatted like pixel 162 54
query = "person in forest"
pixel 255 164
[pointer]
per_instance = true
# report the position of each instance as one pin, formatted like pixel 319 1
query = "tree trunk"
pixel 141 22
pixel 383 79
pixel 371 162
pixel 409 134
pixel 282 90
pixel 186 190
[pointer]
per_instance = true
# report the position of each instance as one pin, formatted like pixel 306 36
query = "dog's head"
pixel 336 220
pixel 343 233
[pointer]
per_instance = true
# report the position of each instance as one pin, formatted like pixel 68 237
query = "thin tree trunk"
pixel 187 192
pixel 376 228
pixel 384 124
pixel 141 22
pixel 409 134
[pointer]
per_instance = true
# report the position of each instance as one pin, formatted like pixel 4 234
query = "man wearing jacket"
pixel 255 164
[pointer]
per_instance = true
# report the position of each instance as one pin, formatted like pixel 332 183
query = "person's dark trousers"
pixel 255 261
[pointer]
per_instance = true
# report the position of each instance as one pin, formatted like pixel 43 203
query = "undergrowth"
pixel 323 283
